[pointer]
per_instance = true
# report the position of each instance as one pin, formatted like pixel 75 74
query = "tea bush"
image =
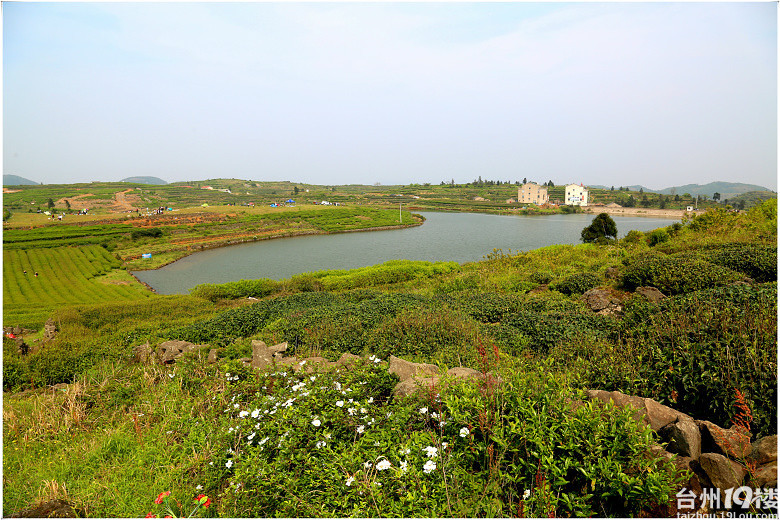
pixel 757 261
pixel 577 283
pixel 676 275
pixel 657 236
pixel 258 288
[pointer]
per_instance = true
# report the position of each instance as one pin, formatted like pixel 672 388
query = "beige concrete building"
pixel 532 193
pixel 576 195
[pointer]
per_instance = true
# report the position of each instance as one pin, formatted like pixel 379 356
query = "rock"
pixel 465 373
pixel 650 293
pixel 722 472
pixel 288 361
pixel 247 361
pixel 261 354
pixel 56 508
pixel 49 330
pixel 732 442
pixel 277 350
pixel 212 356
pixel 347 359
pixel 406 369
pixel 647 411
pixel 143 353
pixel 170 350
pixel 597 299
pixel 763 450
pixel 308 364
pixel 413 385
pixel 22 347
pixel 766 475
pixel 684 438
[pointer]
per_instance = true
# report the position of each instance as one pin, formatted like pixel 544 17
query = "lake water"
pixel 462 237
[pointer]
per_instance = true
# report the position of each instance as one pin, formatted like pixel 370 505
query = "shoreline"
pixel 639 212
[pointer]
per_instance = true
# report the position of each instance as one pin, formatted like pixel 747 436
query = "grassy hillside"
pixel 339 444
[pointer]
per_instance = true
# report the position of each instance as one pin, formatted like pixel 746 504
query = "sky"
pixel 657 94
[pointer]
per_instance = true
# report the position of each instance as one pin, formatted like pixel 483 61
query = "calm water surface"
pixel 462 237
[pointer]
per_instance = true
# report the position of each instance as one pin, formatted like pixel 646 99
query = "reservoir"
pixel 461 237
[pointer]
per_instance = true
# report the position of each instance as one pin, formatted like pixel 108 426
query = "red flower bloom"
pixel 203 500
pixel 159 499
pixel 150 515
pixel 167 516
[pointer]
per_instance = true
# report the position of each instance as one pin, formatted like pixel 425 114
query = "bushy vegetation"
pixel 521 441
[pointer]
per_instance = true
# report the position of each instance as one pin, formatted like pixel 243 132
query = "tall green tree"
pixel 602 227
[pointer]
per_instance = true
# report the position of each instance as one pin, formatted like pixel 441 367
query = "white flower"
pixel 351 411
pixel 262 441
pixel 243 414
pixel 406 451
pixel 350 480
pixel 371 357
pixel 434 415
pixel 338 385
pixel 339 403
pixel 229 463
pixel 367 464
pixel 363 410
pixel 526 494
pixel 312 378
pixel 377 360
pixel 198 487
pixel 370 400
pixel 383 465
pixel 429 466
pixel 444 445
pixel 316 422
pixel 430 451
pixel 464 431
pixel 361 429
pixel 404 466
pixel 327 436
pixel 255 413
pixel 321 444
pixel 252 436
pixel 235 406
pixel 171 375
pixel 424 410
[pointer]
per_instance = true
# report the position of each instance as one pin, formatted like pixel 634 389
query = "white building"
pixel 576 195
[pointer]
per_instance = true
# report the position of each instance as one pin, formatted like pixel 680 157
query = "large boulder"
pixel 406 369
pixel 646 410
pixel 413 385
pixel 684 438
pixel 650 293
pixel 465 373
pixel 766 475
pixel 734 443
pixel 262 356
pixel 722 472
pixel 168 351
pixel 597 299
pixel 277 350
pixel 347 359
pixel 143 353
pixel 49 330
pixel 763 450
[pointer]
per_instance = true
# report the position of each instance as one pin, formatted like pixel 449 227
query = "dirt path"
pixel 120 203
pixel 76 202
pixel 6 190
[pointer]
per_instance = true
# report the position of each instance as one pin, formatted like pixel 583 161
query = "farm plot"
pixel 65 276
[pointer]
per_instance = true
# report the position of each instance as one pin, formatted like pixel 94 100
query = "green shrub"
pixel 657 236
pixel 577 283
pixel 146 233
pixel 676 275
pixel 259 288
pixel 757 261
pixel 541 277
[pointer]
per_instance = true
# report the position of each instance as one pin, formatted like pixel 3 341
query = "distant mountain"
pixel 144 180
pixel 635 187
pixel 15 180
pixel 727 190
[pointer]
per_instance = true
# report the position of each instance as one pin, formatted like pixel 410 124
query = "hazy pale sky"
pixel 658 94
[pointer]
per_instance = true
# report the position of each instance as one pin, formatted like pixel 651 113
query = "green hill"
pixel 15 180
pixel 727 190
pixel 145 180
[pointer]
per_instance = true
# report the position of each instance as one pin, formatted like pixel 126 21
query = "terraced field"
pixel 65 276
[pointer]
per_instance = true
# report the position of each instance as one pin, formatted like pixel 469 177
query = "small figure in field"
pixel 25 271
pixel 36 273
